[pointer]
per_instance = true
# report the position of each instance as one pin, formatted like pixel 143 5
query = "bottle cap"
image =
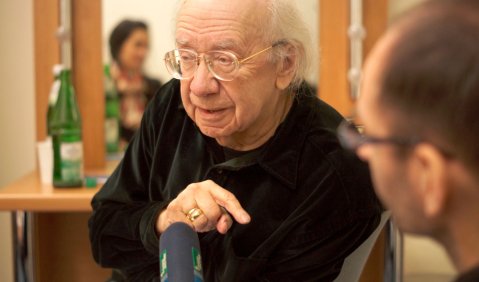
pixel 57 69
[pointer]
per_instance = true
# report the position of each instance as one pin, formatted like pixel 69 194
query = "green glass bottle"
pixel 112 113
pixel 67 136
pixel 53 96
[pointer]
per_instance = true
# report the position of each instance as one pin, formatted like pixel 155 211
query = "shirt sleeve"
pixel 122 225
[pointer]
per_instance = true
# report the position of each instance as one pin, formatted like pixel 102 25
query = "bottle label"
pixel 71 161
pixel 163 266
pixel 112 131
pixel 197 266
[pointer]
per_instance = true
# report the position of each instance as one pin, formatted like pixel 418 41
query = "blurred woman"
pixel 129 46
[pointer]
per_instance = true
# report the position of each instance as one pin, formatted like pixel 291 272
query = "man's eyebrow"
pixel 181 42
pixel 226 44
pixel 220 45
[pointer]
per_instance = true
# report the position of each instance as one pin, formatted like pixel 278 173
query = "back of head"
pixel 431 78
pixel 120 33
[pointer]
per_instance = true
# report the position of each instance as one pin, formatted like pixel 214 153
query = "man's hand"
pixel 216 205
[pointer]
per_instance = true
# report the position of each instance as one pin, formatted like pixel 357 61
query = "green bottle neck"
pixel 66 111
pixel 66 95
pixel 65 76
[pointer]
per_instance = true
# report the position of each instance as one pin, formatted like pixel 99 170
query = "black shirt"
pixel 311 203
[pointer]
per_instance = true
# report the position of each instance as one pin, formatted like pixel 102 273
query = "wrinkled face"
pixel 134 50
pixel 394 178
pixel 227 111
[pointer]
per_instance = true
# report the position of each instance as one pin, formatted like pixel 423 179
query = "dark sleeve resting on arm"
pixel 122 226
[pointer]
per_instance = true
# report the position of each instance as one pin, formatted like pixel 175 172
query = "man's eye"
pixel 222 60
pixel 186 56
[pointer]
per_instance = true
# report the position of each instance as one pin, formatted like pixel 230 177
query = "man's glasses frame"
pixel 351 138
pixel 226 60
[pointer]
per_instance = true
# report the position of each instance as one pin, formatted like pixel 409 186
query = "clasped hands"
pixel 204 206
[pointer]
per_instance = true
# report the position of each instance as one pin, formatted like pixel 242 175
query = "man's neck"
pixel 249 141
pixel 462 244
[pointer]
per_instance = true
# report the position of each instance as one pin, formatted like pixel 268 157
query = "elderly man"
pixel 418 105
pixel 238 148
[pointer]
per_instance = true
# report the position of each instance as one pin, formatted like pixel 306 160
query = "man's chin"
pixel 213 132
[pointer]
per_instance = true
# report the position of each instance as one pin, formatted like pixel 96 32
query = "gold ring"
pixel 193 214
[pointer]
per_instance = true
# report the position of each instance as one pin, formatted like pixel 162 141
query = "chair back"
pixel 354 263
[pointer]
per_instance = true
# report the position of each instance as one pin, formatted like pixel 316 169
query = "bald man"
pixel 419 106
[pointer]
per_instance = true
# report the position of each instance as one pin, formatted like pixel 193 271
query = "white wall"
pixel 17 113
pixel 159 17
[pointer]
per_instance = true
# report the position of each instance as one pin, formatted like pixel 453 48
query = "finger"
pixel 172 216
pixel 185 201
pixel 176 211
pixel 210 208
pixel 227 200
pixel 200 224
pixel 224 223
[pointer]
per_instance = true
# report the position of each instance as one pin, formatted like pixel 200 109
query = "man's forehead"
pixel 223 26
pixel 239 8
pixel 373 74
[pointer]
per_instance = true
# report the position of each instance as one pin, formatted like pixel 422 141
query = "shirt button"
pixel 219 171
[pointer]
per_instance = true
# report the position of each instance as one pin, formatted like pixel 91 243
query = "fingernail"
pixel 245 217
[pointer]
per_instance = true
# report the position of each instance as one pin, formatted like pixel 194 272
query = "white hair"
pixel 286 23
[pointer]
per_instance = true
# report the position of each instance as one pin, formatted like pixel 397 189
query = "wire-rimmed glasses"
pixel 224 65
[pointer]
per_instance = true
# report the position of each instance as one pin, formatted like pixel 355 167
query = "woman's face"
pixel 134 50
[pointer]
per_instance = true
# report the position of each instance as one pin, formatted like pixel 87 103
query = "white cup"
pixel 45 160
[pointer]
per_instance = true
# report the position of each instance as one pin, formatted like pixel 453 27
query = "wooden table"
pixel 29 194
pixel 50 230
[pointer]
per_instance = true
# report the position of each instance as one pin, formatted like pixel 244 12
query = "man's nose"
pixel 363 152
pixel 203 81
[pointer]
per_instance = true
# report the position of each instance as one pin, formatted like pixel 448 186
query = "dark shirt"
pixel 469 276
pixel 311 203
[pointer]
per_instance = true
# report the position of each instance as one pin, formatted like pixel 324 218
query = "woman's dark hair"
pixel 432 76
pixel 121 32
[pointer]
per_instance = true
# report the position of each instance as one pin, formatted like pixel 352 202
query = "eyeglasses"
pixel 351 138
pixel 224 65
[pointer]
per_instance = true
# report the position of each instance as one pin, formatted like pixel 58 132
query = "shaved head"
pixel 430 75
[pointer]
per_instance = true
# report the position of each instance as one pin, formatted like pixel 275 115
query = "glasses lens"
pixel 181 63
pixel 222 64
pixel 349 136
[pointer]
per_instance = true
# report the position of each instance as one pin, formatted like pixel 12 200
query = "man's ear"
pixel 286 67
pixel 433 179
